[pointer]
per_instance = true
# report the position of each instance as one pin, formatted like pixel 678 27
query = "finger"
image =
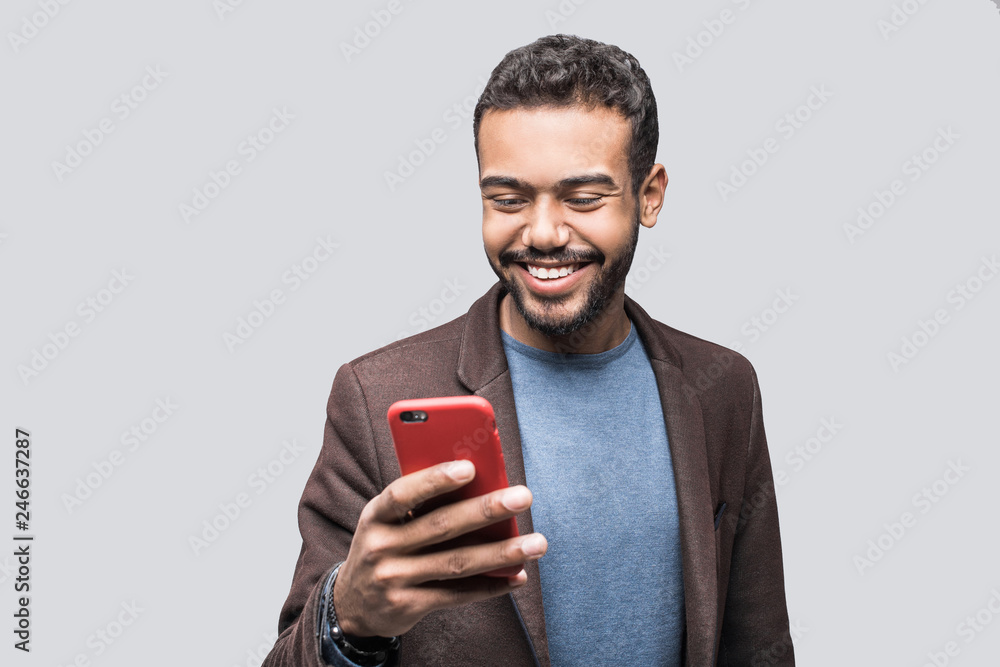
pixel 409 491
pixel 469 561
pixel 463 516
pixel 456 592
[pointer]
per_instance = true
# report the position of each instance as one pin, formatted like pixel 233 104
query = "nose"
pixel 544 229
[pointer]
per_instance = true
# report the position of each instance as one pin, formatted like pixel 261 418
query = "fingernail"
pixel 533 545
pixel 460 470
pixel 516 499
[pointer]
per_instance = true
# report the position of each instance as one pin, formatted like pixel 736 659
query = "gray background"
pixel 399 249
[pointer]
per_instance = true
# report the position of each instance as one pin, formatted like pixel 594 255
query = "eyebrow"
pixel 569 182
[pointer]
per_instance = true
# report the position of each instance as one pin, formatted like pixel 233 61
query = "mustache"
pixel 569 256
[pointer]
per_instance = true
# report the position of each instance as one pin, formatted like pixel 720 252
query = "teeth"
pixel 548 274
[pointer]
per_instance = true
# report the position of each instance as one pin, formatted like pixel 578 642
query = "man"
pixel 657 536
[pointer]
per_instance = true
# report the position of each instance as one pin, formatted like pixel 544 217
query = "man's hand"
pixel 387 585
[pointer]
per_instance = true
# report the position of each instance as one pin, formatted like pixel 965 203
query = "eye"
pixel 585 201
pixel 506 202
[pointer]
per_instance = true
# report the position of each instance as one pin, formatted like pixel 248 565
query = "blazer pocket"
pixel 718 514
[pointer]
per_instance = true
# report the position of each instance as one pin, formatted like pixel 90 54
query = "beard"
pixel 547 319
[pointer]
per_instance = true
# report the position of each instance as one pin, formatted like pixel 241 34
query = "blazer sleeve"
pixel 346 476
pixel 755 622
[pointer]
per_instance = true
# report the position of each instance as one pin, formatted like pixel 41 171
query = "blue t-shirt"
pixel 597 462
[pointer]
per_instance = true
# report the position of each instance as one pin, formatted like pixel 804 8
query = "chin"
pixel 556 317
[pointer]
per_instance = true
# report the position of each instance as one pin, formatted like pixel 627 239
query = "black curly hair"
pixel 566 70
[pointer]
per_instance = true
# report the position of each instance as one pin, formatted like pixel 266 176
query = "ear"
pixel 651 195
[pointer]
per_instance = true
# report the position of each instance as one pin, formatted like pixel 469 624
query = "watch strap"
pixel 364 651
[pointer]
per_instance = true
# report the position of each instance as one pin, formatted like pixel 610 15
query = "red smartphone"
pixel 428 431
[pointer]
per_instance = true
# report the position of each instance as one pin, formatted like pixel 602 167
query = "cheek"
pixel 610 234
pixel 497 236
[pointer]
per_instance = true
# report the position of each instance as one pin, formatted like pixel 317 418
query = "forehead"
pixel 546 144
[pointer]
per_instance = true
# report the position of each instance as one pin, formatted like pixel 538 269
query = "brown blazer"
pixel 733 581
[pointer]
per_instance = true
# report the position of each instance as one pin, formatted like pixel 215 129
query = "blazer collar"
pixel 482 359
pixel 482 368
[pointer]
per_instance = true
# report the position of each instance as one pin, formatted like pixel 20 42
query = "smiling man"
pixel 560 225
pixel 650 532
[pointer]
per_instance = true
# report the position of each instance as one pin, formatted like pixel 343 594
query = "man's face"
pixel 559 223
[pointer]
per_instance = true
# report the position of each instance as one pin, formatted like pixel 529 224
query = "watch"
pixel 364 651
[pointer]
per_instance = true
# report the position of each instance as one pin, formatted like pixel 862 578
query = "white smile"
pixel 544 273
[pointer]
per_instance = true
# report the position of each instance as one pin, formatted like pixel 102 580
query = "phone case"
pixel 455 428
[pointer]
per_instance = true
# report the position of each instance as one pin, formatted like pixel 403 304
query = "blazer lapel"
pixel 686 437
pixel 482 368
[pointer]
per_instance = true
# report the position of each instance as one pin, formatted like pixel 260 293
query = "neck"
pixel 606 331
